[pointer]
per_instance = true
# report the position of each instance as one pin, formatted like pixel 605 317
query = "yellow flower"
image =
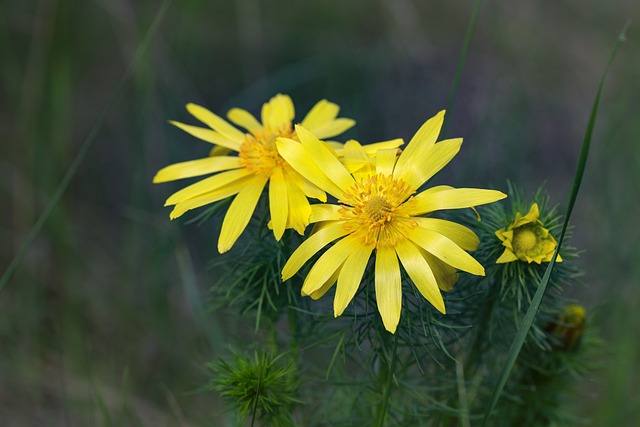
pixel 526 239
pixel 569 326
pixel 378 212
pixel 256 164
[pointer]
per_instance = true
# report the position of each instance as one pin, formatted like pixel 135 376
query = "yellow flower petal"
pixel 386 160
pixel 196 168
pixel 208 135
pixel 427 163
pixel 207 198
pixel 455 198
pixel 300 160
pixel 328 263
pixel 245 119
pixel 421 142
pixel 372 149
pixel 299 208
pixel 335 147
pixel 206 185
pixel 324 212
pixel 409 209
pixel 310 246
pixel 420 273
pixel 446 276
pixel 333 128
pixel 350 277
pixel 325 160
pixel 388 287
pixel 459 234
pixel 278 203
pixel 304 184
pixel 321 113
pixel 219 151
pixel 215 122
pixel 356 160
pixel 326 286
pixel 240 212
pixel 443 248
pixel 531 217
pixel 278 112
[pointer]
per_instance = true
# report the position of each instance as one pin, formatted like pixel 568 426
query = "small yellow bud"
pixel 569 326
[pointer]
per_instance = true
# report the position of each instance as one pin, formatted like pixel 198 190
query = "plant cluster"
pixel 403 325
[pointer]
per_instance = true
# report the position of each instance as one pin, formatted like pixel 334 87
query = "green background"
pixel 105 323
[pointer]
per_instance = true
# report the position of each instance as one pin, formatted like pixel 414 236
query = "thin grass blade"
pixel 460 67
pixel 86 145
pixel 518 341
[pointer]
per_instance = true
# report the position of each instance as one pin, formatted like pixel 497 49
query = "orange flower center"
pixel 370 208
pixel 258 152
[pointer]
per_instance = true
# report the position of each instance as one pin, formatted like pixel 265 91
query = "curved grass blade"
pixel 86 145
pixel 460 67
pixel 518 341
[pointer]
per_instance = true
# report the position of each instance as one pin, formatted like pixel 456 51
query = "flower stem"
pixel 382 413
pixel 254 408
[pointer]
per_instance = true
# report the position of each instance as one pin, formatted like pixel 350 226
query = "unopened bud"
pixel 568 327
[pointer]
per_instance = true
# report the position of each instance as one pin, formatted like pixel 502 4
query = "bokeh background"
pixel 105 322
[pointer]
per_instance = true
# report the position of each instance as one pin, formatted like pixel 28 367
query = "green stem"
pixel 292 314
pixel 254 409
pixel 382 413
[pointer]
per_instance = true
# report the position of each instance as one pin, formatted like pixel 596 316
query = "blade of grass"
pixel 518 341
pixel 460 67
pixel 209 324
pixel 86 145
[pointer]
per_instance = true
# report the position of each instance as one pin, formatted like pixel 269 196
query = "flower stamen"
pixel 370 208
pixel 258 152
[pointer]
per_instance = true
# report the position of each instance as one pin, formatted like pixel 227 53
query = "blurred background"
pixel 104 323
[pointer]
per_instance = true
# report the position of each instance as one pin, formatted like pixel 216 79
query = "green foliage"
pixel 100 292
pixel 437 369
pixel 250 279
pixel 261 387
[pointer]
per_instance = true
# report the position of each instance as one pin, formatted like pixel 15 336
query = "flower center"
pixel 370 208
pixel 258 152
pixel 524 239
pixel 378 209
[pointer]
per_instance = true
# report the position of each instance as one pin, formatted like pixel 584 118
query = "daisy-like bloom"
pixel 379 212
pixel 526 239
pixel 257 163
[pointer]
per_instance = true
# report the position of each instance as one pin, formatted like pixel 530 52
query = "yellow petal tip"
pixel 442 309
pixel 286 276
pixel 391 329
